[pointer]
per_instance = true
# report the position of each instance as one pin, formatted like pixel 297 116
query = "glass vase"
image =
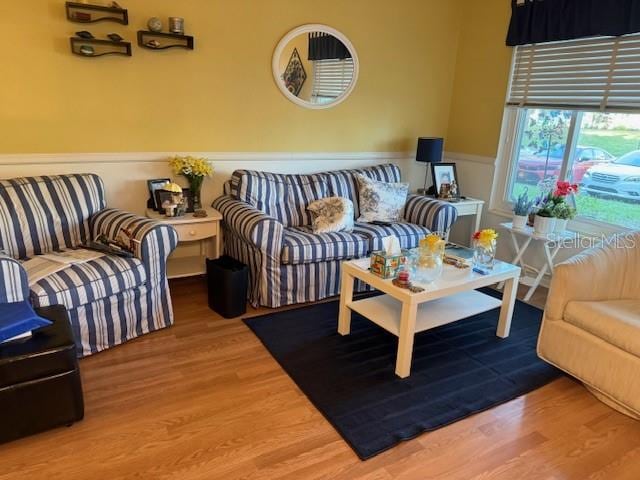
pixel 195 185
pixel 425 265
pixel 484 254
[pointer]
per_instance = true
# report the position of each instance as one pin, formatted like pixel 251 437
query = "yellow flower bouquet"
pixel 194 169
pixel 486 237
pixel 484 253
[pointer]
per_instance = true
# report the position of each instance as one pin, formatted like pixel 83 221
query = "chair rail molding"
pixel 161 157
pixel 468 157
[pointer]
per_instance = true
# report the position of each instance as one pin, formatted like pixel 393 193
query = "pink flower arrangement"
pixel 564 189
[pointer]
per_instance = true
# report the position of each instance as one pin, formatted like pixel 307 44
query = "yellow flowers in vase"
pixel 427 261
pixel 194 169
pixel 484 243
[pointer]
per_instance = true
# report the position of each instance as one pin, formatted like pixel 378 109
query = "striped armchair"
pixel 111 299
pixel 266 226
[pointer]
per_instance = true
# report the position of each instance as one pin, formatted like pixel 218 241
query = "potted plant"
pixel 563 213
pixel 544 222
pixel 521 210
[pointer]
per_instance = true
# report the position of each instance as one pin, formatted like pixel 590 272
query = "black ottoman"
pixel 40 385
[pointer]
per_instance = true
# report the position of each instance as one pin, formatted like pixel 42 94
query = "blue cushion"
pixel 18 318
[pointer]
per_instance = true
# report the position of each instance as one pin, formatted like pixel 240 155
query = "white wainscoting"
pixel 125 174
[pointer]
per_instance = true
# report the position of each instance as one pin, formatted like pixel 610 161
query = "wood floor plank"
pixel 205 400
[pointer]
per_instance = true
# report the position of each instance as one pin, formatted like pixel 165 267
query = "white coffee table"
pixel 450 298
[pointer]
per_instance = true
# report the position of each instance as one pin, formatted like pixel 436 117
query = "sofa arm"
pixel 436 215
pixel 153 241
pixel 250 224
pixel 14 285
pixel 601 273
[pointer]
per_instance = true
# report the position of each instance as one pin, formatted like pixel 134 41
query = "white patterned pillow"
pixel 333 214
pixel 381 201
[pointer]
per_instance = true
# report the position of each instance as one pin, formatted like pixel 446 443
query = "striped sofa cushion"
pixel 343 183
pixel 283 197
pixel 43 214
pixel 409 234
pixel 88 282
pixel 301 245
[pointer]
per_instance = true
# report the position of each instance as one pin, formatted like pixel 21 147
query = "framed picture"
pixel 445 180
pixel 294 75
pixel 154 185
pixel 162 196
pixel 188 199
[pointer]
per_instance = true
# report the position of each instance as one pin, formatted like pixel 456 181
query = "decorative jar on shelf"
pixel 484 248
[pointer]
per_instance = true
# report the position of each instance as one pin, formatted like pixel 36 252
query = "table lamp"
pixel 429 151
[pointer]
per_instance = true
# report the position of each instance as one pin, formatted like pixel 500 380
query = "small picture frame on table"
pixel 445 181
pixel 154 185
pixel 162 196
pixel 188 198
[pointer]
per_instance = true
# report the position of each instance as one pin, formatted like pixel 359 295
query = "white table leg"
pixel 346 296
pixel 517 260
pixel 478 217
pixel 506 311
pixel 548 266
pixel 405 339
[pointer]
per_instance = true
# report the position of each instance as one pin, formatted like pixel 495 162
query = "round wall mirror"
pixel 315 66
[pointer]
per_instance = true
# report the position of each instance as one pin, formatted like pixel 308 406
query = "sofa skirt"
pixel 116 319
pixel 602 367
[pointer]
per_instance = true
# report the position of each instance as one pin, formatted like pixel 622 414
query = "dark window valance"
pixel 323 46
pixel 539 21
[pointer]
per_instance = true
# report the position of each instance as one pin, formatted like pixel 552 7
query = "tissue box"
pixel 386 266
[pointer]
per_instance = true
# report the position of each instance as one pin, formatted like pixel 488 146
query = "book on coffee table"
pixel 459 253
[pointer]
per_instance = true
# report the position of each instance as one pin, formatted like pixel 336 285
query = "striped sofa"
pixel 111 299
pixel 266 226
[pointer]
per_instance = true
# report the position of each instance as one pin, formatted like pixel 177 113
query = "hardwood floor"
pixel 204 400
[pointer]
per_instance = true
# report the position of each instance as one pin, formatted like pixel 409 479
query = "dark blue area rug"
pixel 458 370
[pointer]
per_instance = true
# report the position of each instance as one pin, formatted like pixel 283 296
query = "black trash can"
pixel 228 280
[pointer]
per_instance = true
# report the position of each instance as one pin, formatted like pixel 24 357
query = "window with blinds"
pixel 331 78
pixel 599 73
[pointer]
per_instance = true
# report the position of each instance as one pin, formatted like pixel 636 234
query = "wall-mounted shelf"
pixel 164 40
pixel 85 13
pixel 84 46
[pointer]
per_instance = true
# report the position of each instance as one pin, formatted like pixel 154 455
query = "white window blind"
pixel 601 73
pixel 331 77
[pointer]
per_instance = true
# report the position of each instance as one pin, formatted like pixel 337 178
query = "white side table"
pixel 469 206
pixel 552 243
pixel 205 230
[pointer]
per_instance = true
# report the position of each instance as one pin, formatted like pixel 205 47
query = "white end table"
pixel 552 243
pixel 450 298
pixel 205 230
pixel 467 207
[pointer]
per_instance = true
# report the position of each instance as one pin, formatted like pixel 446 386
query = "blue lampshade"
pixel 430 149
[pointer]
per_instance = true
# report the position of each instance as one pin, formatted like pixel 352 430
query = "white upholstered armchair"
pixel 591 326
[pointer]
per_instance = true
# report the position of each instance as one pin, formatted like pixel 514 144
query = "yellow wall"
pixel 221 96
pixel 481 79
